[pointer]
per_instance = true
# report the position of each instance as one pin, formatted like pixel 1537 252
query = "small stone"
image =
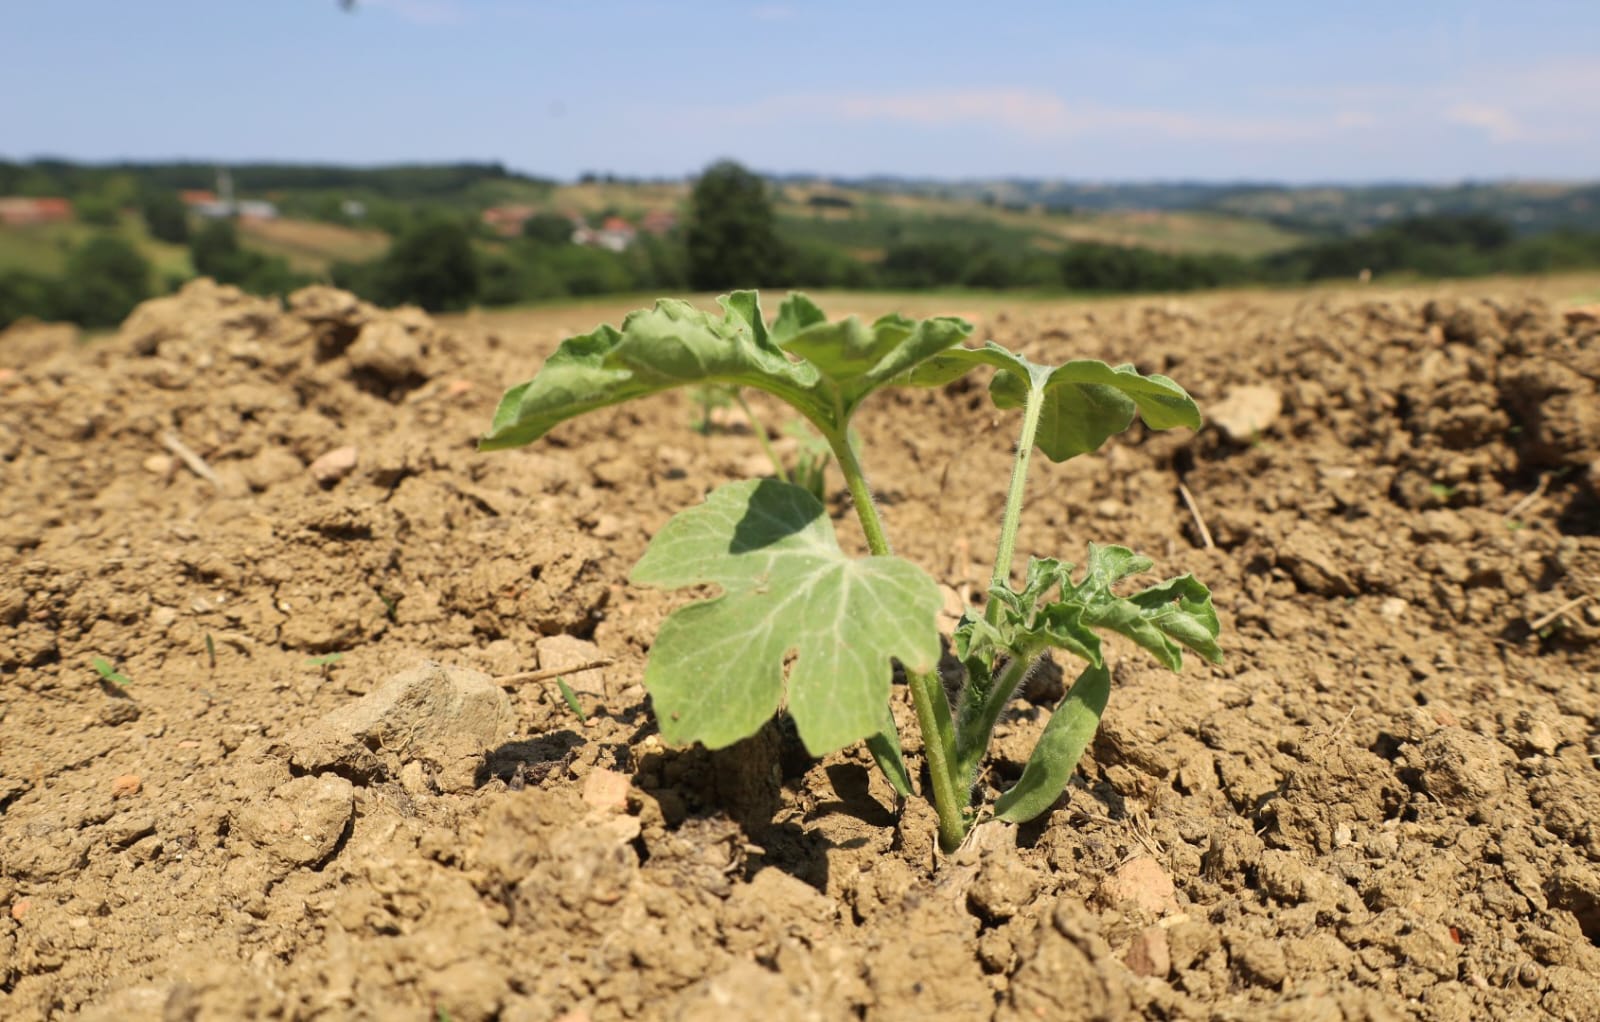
pixel 162 618
pixel 126 786
pixel 389 351
pixel 1393 608
pixel 1538 733
pixel 455 388
pixel 158 464
pixel 1144 884
pixel 606 790
pixel 1260 960
pixel 335 465
pixel 1246 412
pixel 565 652
pixel 607 526
pixel 414 779
pixel 1149 954
pixel 447 715
pixel 20 907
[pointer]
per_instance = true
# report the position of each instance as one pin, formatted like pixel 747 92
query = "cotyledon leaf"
pixel 717 668
pixel 1069 732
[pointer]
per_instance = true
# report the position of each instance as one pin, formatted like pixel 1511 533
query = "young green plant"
pixel 800 625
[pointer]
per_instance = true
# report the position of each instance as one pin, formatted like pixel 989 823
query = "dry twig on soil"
pixel 1194 511
pixel 186 454
pixel 551 673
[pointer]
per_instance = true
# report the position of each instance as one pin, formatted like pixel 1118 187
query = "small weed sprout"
pixel 108 672
pixel 816 631
pixel 571 699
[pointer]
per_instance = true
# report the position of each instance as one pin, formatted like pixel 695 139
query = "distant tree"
pixel 96 210
pixel 105 278
pixel 431 265
pixel 215 251
pixel 732 236
pixel 164 215
pixel 26 294
pixel 548 228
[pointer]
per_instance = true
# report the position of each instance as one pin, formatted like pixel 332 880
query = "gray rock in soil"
pixel 443 717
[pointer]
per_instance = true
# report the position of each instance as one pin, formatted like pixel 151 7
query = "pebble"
pixel 606 790
pixel 1246 412
pixel 1149 954
pixel 1142 882
pixel 126 786
pixel 335 465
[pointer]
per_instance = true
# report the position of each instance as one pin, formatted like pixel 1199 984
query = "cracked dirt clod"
pixel 299 823
pixel 445 716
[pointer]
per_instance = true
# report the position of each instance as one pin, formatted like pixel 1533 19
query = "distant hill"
pixel 1531 207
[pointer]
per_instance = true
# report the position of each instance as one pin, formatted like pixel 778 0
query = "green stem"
pixel 860 493
pixel 951 799
pixel 972 738
pixel 761 435
pixel 927 691
pixel 1013 514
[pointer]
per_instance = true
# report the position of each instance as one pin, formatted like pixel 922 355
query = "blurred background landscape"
pixel 453 154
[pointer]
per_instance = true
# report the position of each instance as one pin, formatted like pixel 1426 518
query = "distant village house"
pixel 17 211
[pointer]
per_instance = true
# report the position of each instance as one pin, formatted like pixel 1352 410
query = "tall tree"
pixel 732 238
pixel 432 265
pixel 106 277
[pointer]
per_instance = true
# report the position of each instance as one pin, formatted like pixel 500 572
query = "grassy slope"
pixel 876 220
pixel 310 246
pixel 43 248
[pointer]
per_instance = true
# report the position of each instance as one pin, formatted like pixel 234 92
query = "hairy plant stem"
pixel 761 435
pixel 950 798
pixel 972 738
pixel 860 493
pixel 1013 514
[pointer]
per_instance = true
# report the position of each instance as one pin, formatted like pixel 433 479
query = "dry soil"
pixel 314 788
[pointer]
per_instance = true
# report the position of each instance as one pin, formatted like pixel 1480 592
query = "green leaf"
pixel 1085 401
pixel 821 369
pixel 104 668
pixel 670 345
pixel 716 671
pixel 795 314
pixel 1163 618
pixel 1061 746
pixel 858 359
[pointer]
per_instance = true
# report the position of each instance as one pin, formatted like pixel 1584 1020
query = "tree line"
pixel 442 259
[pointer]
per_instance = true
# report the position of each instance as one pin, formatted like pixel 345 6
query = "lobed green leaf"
pixel 1085 401
pixel 821 369
pixel 1164 619
pixel 717 669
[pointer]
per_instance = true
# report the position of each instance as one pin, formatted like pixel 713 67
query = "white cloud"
pixel 1497 122
pixel 1035 114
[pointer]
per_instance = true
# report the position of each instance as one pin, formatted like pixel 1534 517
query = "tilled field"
pixel 316 789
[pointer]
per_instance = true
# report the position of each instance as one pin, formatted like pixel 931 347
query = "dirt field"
pixel 306 794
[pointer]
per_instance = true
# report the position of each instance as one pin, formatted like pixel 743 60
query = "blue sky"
pixel 1301 92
